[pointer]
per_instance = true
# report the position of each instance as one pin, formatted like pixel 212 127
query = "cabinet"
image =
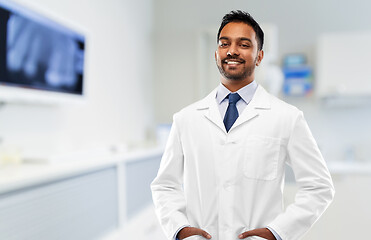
pixel 77 207
pixel 344 65
pixel 82 200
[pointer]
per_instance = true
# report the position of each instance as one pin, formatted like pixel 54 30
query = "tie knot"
pixel 233 97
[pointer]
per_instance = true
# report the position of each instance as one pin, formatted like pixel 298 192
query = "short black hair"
pixel 241 16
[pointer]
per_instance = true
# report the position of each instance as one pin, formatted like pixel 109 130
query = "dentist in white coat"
pixel 224 180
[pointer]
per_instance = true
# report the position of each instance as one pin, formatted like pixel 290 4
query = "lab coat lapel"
pixel 261 100
pixel 211 110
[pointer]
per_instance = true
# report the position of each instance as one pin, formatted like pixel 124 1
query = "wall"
pixel 119 107
pixel 178 25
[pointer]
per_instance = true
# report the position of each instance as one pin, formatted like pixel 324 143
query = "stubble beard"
pixel 246 72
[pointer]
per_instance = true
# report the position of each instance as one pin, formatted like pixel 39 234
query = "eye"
pixel 223 44
pixel 245 45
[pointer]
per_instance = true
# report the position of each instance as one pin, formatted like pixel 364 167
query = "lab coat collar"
pixel 260 100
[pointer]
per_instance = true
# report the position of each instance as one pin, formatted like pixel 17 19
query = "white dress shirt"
pixel 246 93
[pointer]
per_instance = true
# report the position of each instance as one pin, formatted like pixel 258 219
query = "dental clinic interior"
pixel 88 90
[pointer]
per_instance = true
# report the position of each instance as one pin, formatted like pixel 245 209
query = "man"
pixel 222 172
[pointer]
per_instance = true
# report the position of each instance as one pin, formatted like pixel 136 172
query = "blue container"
pixel 298 81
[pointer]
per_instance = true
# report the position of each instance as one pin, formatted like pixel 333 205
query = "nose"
pixel 233 50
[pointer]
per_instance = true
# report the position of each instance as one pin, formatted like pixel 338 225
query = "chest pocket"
pixel 262 154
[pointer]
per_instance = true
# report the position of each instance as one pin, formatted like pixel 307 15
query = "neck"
pixel 235 85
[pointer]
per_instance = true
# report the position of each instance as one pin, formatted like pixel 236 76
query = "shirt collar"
pixel 246 92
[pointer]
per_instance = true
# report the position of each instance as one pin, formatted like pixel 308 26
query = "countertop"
pixel 13 177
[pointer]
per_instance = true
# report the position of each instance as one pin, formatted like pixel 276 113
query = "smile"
pixel 233 62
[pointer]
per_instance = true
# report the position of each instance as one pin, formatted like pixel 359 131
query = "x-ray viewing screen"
pixel 36 53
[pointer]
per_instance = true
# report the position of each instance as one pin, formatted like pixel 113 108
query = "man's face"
pixel 237 53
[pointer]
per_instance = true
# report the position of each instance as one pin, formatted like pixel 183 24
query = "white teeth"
pixel 233 63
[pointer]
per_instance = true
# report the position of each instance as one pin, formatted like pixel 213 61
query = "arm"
pixel 315 191
pixel 266 233
pixel 191 231
pixel 167 192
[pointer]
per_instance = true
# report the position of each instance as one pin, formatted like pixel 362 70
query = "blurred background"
pixel 88 90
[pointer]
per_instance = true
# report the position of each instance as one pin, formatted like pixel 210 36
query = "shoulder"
pixel 195 108
pixel 187 112
pixel 282 105
pixel 278 107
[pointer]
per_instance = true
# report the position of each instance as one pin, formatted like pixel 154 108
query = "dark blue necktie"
pixel 232 114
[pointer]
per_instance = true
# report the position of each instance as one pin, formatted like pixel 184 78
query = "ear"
pixel 215 55
pixel 259 57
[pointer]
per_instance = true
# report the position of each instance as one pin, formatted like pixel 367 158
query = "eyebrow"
pixel 240 39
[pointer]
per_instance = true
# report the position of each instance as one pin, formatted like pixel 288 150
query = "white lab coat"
pixel 228 183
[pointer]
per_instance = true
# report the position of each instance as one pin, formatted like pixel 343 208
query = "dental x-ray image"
pixel 40 56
